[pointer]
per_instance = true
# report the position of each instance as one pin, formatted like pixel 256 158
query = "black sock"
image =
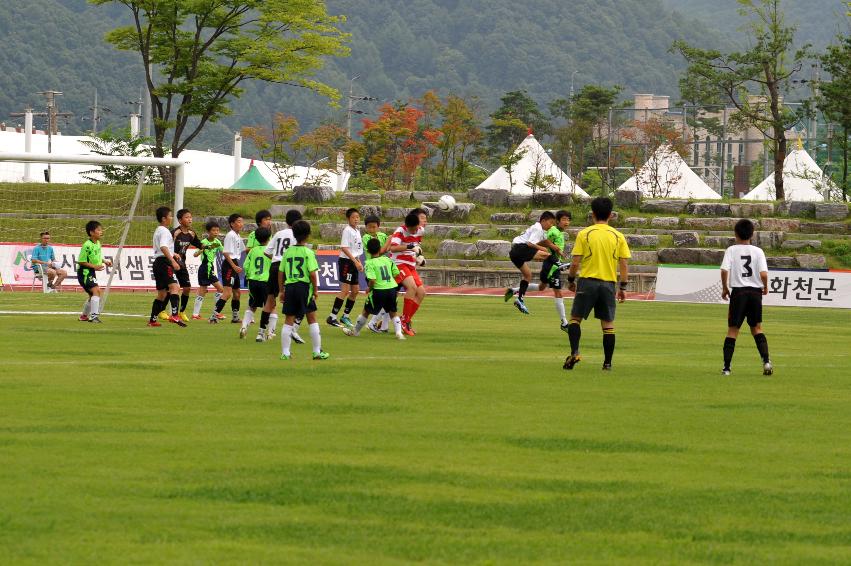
pixel 573 333
pixel 729 347
pixel 524 285
pixel 184 300
pixel 156 308
pixel 762 346
pixel 338 303
pixel 234 305
pixel 264 320
pixel 608 345
pixel 174 300
pixel 350 304
pixel 220 305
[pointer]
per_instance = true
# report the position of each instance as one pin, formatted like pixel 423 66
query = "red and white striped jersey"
pixel 403 237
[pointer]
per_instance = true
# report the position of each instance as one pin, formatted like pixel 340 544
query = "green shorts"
pixel 594 294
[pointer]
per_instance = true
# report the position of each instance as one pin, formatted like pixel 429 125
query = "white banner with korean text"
pixel 790 288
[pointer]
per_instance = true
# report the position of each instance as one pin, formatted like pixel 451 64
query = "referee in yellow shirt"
pixel 599 253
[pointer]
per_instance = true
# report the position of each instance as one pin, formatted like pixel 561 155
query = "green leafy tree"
pixel 766 67
pixel 119 143
pixel 198 53
pixel 835 98
pixel 511 122
pixel 461 133
pixel 277 144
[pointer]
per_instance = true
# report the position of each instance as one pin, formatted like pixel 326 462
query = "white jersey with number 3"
pixel 744 262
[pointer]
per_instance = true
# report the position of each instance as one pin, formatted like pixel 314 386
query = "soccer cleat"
pixel 270 334
pixel 400 336
pixel 297 339
pixel 154 323
pixel 321 355
pixel 521 306
pixel 174 319
pixel 163 315
pixel 571 361
pixel 607 367
pixel 349 331
pixel 242 333
pixel 219 316
pixel 372 328
pixel 767 368
pixel 214 320
pixel 285 357
pixel 235 320
pixel 565 326
pixel 94 318
pixel 563 265
pixel 331 321
pixel 83 318
pixel 725 371
pixel 508 294
pixel 260 338
pixel 406 328
pixel 196 317
pixel 183 317
pixel 346 320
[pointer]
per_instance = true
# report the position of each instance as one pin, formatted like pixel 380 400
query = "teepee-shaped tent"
pixel 803 180
pixel 253 180
pixel 534 170
pixel 666 175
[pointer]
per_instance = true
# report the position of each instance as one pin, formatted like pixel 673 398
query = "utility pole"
pixel 52 126
pixel 351 106
pixel 147 113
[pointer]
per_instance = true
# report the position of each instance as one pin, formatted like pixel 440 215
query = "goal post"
pixel 27 209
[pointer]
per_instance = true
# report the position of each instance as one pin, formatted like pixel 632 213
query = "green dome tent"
pixel 253 180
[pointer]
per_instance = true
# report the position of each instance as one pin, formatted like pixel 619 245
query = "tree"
pixel 108 142
pixel 730 77
pixel 197 53
pixel 320 147
pixel 650 155
pixel 276 144
pixel 511 122
pixel 461 134
pixel 834 100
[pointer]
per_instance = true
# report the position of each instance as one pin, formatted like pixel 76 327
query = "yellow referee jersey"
pixel 600 246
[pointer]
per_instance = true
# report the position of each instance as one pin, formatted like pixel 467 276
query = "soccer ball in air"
pixel 446 202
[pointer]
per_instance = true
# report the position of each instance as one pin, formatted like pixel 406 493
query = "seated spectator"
pixel 44 261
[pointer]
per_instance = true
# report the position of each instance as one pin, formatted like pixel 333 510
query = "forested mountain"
pixel 399 49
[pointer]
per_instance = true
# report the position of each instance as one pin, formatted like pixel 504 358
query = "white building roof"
pixel 666 175
pixel 803 180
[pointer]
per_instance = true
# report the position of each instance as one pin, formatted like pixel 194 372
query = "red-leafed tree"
pixel 397 143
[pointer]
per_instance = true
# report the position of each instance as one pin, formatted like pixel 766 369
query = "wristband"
pixel 623 285
pixel 571 278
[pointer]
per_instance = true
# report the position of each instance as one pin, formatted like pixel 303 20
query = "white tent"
pixel 205 168
pixel 803 180
pixel 666 175
pixel 535 167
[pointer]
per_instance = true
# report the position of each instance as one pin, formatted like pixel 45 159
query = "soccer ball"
pixel 446 202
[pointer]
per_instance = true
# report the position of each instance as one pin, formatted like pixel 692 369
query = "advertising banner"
pixel 790 288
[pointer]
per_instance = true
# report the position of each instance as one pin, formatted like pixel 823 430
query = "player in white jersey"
pixel 278 244
pixel 744 280
pixel 530 245
pixel 349 266
pixel 166 262
pixel 231 270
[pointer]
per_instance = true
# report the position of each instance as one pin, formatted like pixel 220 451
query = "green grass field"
pixel 467 444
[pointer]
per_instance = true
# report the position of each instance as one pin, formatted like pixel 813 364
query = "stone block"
pixel 432 196
pixel 783 262
pixel 492 248
pixel 488 197
pixel 519 201
pixel 311 193
pixel 369 210
pixel 451 230
pixel 751 209
pixel 461 211
pixel 824 227
pixel 398 196
pixel 508 217
pixel 642 240
pixel 280 210
pixel 222 221
pixel 767 239
pixel 800 244
pixel 628 199
pixel 711 257
pixel 711 223
pixel 330 211
pixel 361 198
pixel 613 219
pixel 396 213
pixel 709 209
pixel 508 231
pixel 639 256
pixel 536 214
pixel 636 221
pixel 694 256
pixel 331 231
pixel 797 208
pixel 719 241
pixel 685 239
pixel 665 222
pixel 664 205
pixel 831 211
pixel 781 224
pixel 451 248
pixel 811 261
pixel 552 199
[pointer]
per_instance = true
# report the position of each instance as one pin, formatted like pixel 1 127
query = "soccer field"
pixel 466 444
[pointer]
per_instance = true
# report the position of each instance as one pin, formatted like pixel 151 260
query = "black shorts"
pixel 182 276
pixel 205 278
pixel 381 299
pixel 745 303
pixel 230 278
pixel 298 299
pixel 594 294
pixel 550 273
pixel 163 273
pixel 348 271
pixel 257 292
pixel 87 279
pixel 272 286
pixel 520 254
